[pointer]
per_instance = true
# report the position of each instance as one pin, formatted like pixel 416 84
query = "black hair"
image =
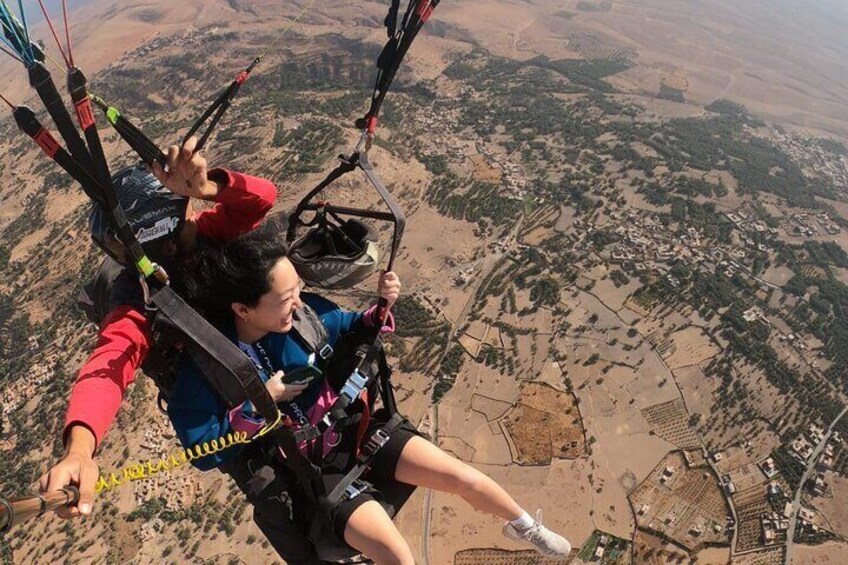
pixel 239 271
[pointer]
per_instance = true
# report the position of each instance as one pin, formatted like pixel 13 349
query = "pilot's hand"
pixel 78 468
pixel 187 172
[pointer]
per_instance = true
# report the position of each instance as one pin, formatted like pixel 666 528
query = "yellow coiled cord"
pixel 179 458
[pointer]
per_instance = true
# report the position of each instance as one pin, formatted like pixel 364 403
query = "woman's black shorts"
pixel 382 486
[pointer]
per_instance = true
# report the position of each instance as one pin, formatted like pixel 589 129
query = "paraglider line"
pixel 12 55
pixel 8 22
pixel 22 56
pixel 28 45
pixel 53 31
pixel 12 106
pixel 67 33
pixel 289 25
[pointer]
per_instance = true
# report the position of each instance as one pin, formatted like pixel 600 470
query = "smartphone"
pixel 302 375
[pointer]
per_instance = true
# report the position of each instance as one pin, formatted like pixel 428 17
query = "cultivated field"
pixel 683 503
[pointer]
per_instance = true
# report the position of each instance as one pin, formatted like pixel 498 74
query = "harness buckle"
pixel 354 385
pixel 326 351
pixel 356 488
pixel 376 442
pixel 149 307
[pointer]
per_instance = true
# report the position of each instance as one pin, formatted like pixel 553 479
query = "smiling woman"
pixel 362 462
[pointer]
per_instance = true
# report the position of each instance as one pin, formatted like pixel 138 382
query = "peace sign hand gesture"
pixel 187 172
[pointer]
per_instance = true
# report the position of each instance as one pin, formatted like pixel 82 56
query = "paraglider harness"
pixel 176 326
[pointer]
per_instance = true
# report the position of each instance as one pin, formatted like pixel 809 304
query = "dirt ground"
pixel 561 490
pixel 830 553
pixel 692 347
pixel 545 424
pixel 771 556
pixel 653 550
pixel 833 507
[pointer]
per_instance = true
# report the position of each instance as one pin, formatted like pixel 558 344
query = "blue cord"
pixel 26 32
pixel 5 41
pixel 15 43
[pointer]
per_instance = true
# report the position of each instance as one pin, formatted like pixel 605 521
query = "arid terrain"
pixel 625 266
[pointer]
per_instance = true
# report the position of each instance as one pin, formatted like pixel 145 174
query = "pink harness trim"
pixel 331 437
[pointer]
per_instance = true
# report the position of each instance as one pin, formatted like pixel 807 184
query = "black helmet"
pixel 334 256
pixel 154 213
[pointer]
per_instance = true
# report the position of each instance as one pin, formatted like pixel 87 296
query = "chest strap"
pixel 221 362
pixel 308 328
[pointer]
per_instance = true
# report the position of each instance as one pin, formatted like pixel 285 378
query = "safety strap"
pixel 308 328
pixel 225 366
pixel 374 443
pixel 304 471
pixel 387 391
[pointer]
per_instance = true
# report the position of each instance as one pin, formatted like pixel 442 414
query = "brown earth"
pixel 545 424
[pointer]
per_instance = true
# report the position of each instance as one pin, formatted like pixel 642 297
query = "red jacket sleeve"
pixel 121 348
pixel 240 205
pixel 125 338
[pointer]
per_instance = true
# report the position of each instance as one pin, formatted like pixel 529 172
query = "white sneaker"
pixel 545 542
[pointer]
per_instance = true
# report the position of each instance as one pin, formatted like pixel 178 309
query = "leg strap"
pixel 344 490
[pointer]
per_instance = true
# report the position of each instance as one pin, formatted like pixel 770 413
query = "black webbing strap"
pixel 305 473
pixel 392 18
pixel 147 151
pixel 395 49
pixel 42 82
pixel 77 86
pixel 223 364
pixel 374 443
pixel 219 107
pixel 28 123
pixel 387 392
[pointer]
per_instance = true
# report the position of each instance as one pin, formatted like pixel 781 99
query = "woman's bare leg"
pixel 370 530
pixel 423 464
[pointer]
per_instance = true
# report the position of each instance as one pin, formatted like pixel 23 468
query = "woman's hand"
pixel 389 288
pixel 280 391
